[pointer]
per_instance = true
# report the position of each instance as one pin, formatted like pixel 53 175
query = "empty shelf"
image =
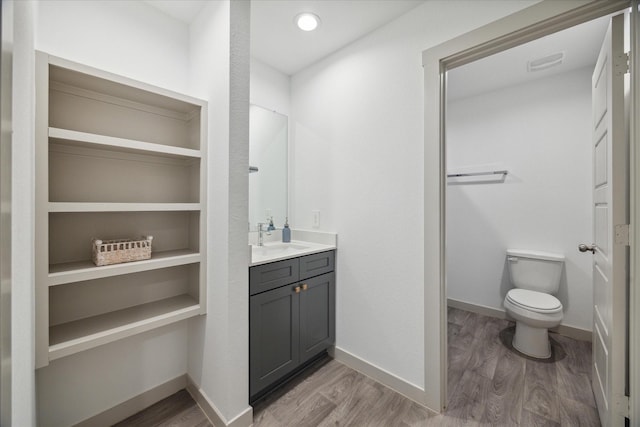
pixel 72 137
pixel 121 207
pixel 73 337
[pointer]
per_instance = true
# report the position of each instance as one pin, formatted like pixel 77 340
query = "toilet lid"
pixel 535 301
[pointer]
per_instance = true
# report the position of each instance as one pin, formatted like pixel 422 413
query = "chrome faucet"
pixel 260 224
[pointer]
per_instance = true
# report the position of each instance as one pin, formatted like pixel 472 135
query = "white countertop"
pixel 303 242
pixel 276 251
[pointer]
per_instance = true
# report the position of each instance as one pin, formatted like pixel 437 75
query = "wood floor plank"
pixel 471 328
pixel 540 389
pixel 173 406
pixel 457 360
pixel 447 420
pixel 300 388
pixel 574 413
pixel 356 405
pixel 469 401
pixel 264 418
pixel 387 411
pixel 416 415
pixel 575 386
pixel 574 370
pixel 486 348
pixel 577 354
pixel 341 386
pixel 311 413
pixel 193 417
pixel 457 316
pixel 529 419
pixel 506 395
pixel 453 330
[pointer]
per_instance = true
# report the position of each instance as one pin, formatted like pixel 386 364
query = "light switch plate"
pixel 316 219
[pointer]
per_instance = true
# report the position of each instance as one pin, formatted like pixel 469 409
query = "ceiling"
pixel 276 41
pixel 580 45
pixel 183 10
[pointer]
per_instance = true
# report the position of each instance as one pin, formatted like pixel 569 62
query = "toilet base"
pixel 532 341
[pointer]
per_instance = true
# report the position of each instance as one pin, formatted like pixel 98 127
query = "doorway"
pixel 519 160
pixel 538 21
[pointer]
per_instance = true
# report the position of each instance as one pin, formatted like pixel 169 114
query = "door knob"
pixel 584 248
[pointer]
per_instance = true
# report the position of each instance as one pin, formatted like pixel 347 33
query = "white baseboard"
pixel 573 332
pixel 478 309
pixel 395 383
pixel 566 330
pixel 244 419
pixel 135 404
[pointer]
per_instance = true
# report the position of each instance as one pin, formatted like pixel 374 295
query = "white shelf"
pixel 60 274
pixel 114 157
pixel 72 337
pixel 84 139
pixel 122 207
pixel 99 81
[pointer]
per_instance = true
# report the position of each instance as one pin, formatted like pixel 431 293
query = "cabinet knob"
pixel 297 289
pixel 305 286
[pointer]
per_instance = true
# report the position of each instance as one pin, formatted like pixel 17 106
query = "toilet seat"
pixel 534 301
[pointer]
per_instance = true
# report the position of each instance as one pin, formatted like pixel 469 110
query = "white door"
pixel 610 258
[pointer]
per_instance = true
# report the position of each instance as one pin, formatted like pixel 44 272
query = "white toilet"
pixel 535 277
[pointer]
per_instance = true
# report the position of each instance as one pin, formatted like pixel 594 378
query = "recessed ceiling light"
pixel 307 21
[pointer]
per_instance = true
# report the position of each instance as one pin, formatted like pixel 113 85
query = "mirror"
pixel 268 166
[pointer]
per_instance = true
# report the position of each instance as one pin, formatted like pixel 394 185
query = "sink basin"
pixel 275 249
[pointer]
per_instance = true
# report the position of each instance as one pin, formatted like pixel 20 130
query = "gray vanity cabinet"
pixel 289 323
pixel 274 336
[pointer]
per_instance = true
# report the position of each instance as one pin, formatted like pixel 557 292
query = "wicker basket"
pixel 106 252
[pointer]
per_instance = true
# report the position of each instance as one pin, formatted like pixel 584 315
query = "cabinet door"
pixel 274 336
pixel 317 315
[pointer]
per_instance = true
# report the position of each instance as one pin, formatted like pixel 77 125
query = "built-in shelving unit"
pixel 115 158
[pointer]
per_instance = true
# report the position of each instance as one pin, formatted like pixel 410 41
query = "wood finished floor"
pixel 179 410
pixel 490 384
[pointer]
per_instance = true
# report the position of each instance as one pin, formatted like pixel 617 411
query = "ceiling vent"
pixel 546 62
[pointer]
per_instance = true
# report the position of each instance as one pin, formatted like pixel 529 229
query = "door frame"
pixel 539 20
pixel 6 97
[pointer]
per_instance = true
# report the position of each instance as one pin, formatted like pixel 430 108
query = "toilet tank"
pixel 535 270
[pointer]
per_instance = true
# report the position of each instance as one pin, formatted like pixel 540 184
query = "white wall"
pixel 540 132
pixel 84 384
pixel 129 38
pixel 358 147
pixel 218 343
pixel 270 88
pixel 22 225
pixel 135 40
